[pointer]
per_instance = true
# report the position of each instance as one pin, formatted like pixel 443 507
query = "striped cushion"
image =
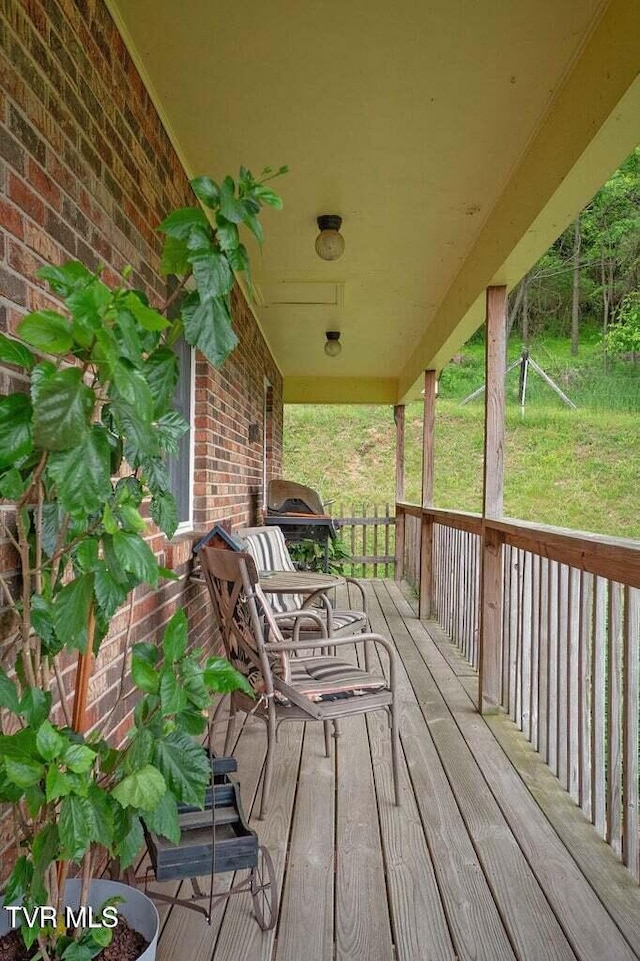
pixel 269 550
pixel 330 679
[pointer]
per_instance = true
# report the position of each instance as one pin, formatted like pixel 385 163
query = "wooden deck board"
pixel 469 867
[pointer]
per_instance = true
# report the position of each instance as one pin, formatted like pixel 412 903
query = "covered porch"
pixel 487 858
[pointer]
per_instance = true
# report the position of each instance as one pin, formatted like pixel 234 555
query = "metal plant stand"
pixel 212 841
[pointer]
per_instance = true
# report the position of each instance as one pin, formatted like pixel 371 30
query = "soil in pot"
pixel 126 945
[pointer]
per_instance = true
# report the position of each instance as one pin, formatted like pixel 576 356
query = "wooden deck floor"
pixel 480 862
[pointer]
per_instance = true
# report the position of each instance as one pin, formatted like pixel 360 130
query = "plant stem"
pixel 43 949
pixel 176 293
pixel 123 673
pixel 62 691
pixel 86 881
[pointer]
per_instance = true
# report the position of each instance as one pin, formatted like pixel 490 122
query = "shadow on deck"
pixel 487 859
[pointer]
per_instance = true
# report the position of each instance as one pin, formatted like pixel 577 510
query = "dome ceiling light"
pixel 329 242
pixel 332 347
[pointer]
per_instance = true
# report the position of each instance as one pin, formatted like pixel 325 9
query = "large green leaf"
pixel 63 411
pixel 128 837
pixel 132 388
pixel 174 640
pixel 147 317
pixel 47 330
pixel 8 693
pixel 15 428
pixel 71 611
pixel 87 306
pixel 164 818
pixel 135 556
pixel 185 767
pixel 170 428
pixel 139 750
pixel 161 370
pixel 78 758
pixel 181 222
pixel 83 474
pixel 19 881
pixel 156 475
pixel 206 190
pixel 267 196
pixel 44 850
pixel 175 257
pixel 164 512
pixel 101 828
pixel 70 276
pixel 23 771
pixel 142 789
pixel 212 274
pixel 221 676
pixel 140 440
pixel 110 593
pixel 207 326
pixel 230 208
pixel 74 826
pixel 144 676
pixel 227 234
pixel 13 352
pixel 48 741
pixel 173 699
pixel 35 706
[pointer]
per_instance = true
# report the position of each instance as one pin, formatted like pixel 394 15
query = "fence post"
pixel 426 522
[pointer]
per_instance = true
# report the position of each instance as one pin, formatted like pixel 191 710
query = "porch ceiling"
pixel 456 140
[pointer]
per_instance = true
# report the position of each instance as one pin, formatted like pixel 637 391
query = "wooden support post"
pixel 426 533
pixel 489 694
pixel 398 416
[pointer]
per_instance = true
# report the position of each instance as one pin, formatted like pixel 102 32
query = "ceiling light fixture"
pixel 329 242
pixel 332 347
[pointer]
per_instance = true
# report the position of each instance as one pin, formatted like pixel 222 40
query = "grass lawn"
pixel 577 469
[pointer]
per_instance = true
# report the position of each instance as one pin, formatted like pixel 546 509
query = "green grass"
pixel 576 469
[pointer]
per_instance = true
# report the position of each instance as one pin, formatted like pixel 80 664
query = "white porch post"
pixel 492 502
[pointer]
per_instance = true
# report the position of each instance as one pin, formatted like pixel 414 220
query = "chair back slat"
pixel 268 548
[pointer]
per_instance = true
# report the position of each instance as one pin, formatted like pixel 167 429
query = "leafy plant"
pixel 81 453
pixel 623 337
pixel 309 555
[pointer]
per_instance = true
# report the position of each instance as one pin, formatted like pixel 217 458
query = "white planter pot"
pixel 139 910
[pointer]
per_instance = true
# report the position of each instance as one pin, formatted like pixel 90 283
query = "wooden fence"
pixel 368 534
pixel 567 653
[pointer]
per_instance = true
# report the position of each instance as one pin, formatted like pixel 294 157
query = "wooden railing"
pixel 368 533
pixel 568 654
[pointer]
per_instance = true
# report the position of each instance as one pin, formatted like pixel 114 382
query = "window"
pixel 181 467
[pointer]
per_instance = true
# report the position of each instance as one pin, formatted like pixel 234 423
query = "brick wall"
pixel 87 172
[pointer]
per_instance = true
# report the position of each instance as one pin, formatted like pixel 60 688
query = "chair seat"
pixel 342 622
pixel 329 679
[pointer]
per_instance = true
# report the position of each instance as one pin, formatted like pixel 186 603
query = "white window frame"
pixel 186 526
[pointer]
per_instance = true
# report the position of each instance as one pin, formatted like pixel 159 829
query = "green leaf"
pixel 206 190
pixel 35 706
pixel 185 766
pixel 143 789
pixel 44 851
pixel 230 208
pixel 194 685
pixel 13 352
pixel 131 386
pixel 77 952
pixel 48 741
pixel 164 819
pixel 161 371
pixel 74 826
pixel 78 758
pixel 175 257
pixel 267 196
pixel 88 306
pixel 109 592
pixel 71 611
pixel 86 555
pixel 212 274
pixel 19 881
pixel 155 475
pixel 239 259
pixel 207 326
pixel 140 749
pixel 135 556
pixel 174 641
pixel 83 474
pixel 23 772
pixel 57 783
pixel 147 652
pixel 63 280
pixel 130 838
pixel 15 428
pixel 227 234
pixel 170 428
pixel 191 721
pixel 220 676
pixel 35 799
pixel 101 827
pixel 252 222
pixel 181 222
pixel 8 693
pixel 164 512
pixel 63 411
pixel 47 330
pixel 12 486
pixel 147 317
pixel 144 676
pixel 172 697
pixel 140 440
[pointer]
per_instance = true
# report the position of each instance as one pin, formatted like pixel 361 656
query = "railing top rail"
pixel 616 558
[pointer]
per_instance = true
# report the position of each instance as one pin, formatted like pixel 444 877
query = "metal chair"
pixel 290 688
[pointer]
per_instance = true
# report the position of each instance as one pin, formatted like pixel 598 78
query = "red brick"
pixel 11 219
pixel 23 261
pixel 43 184
pixel 25 198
